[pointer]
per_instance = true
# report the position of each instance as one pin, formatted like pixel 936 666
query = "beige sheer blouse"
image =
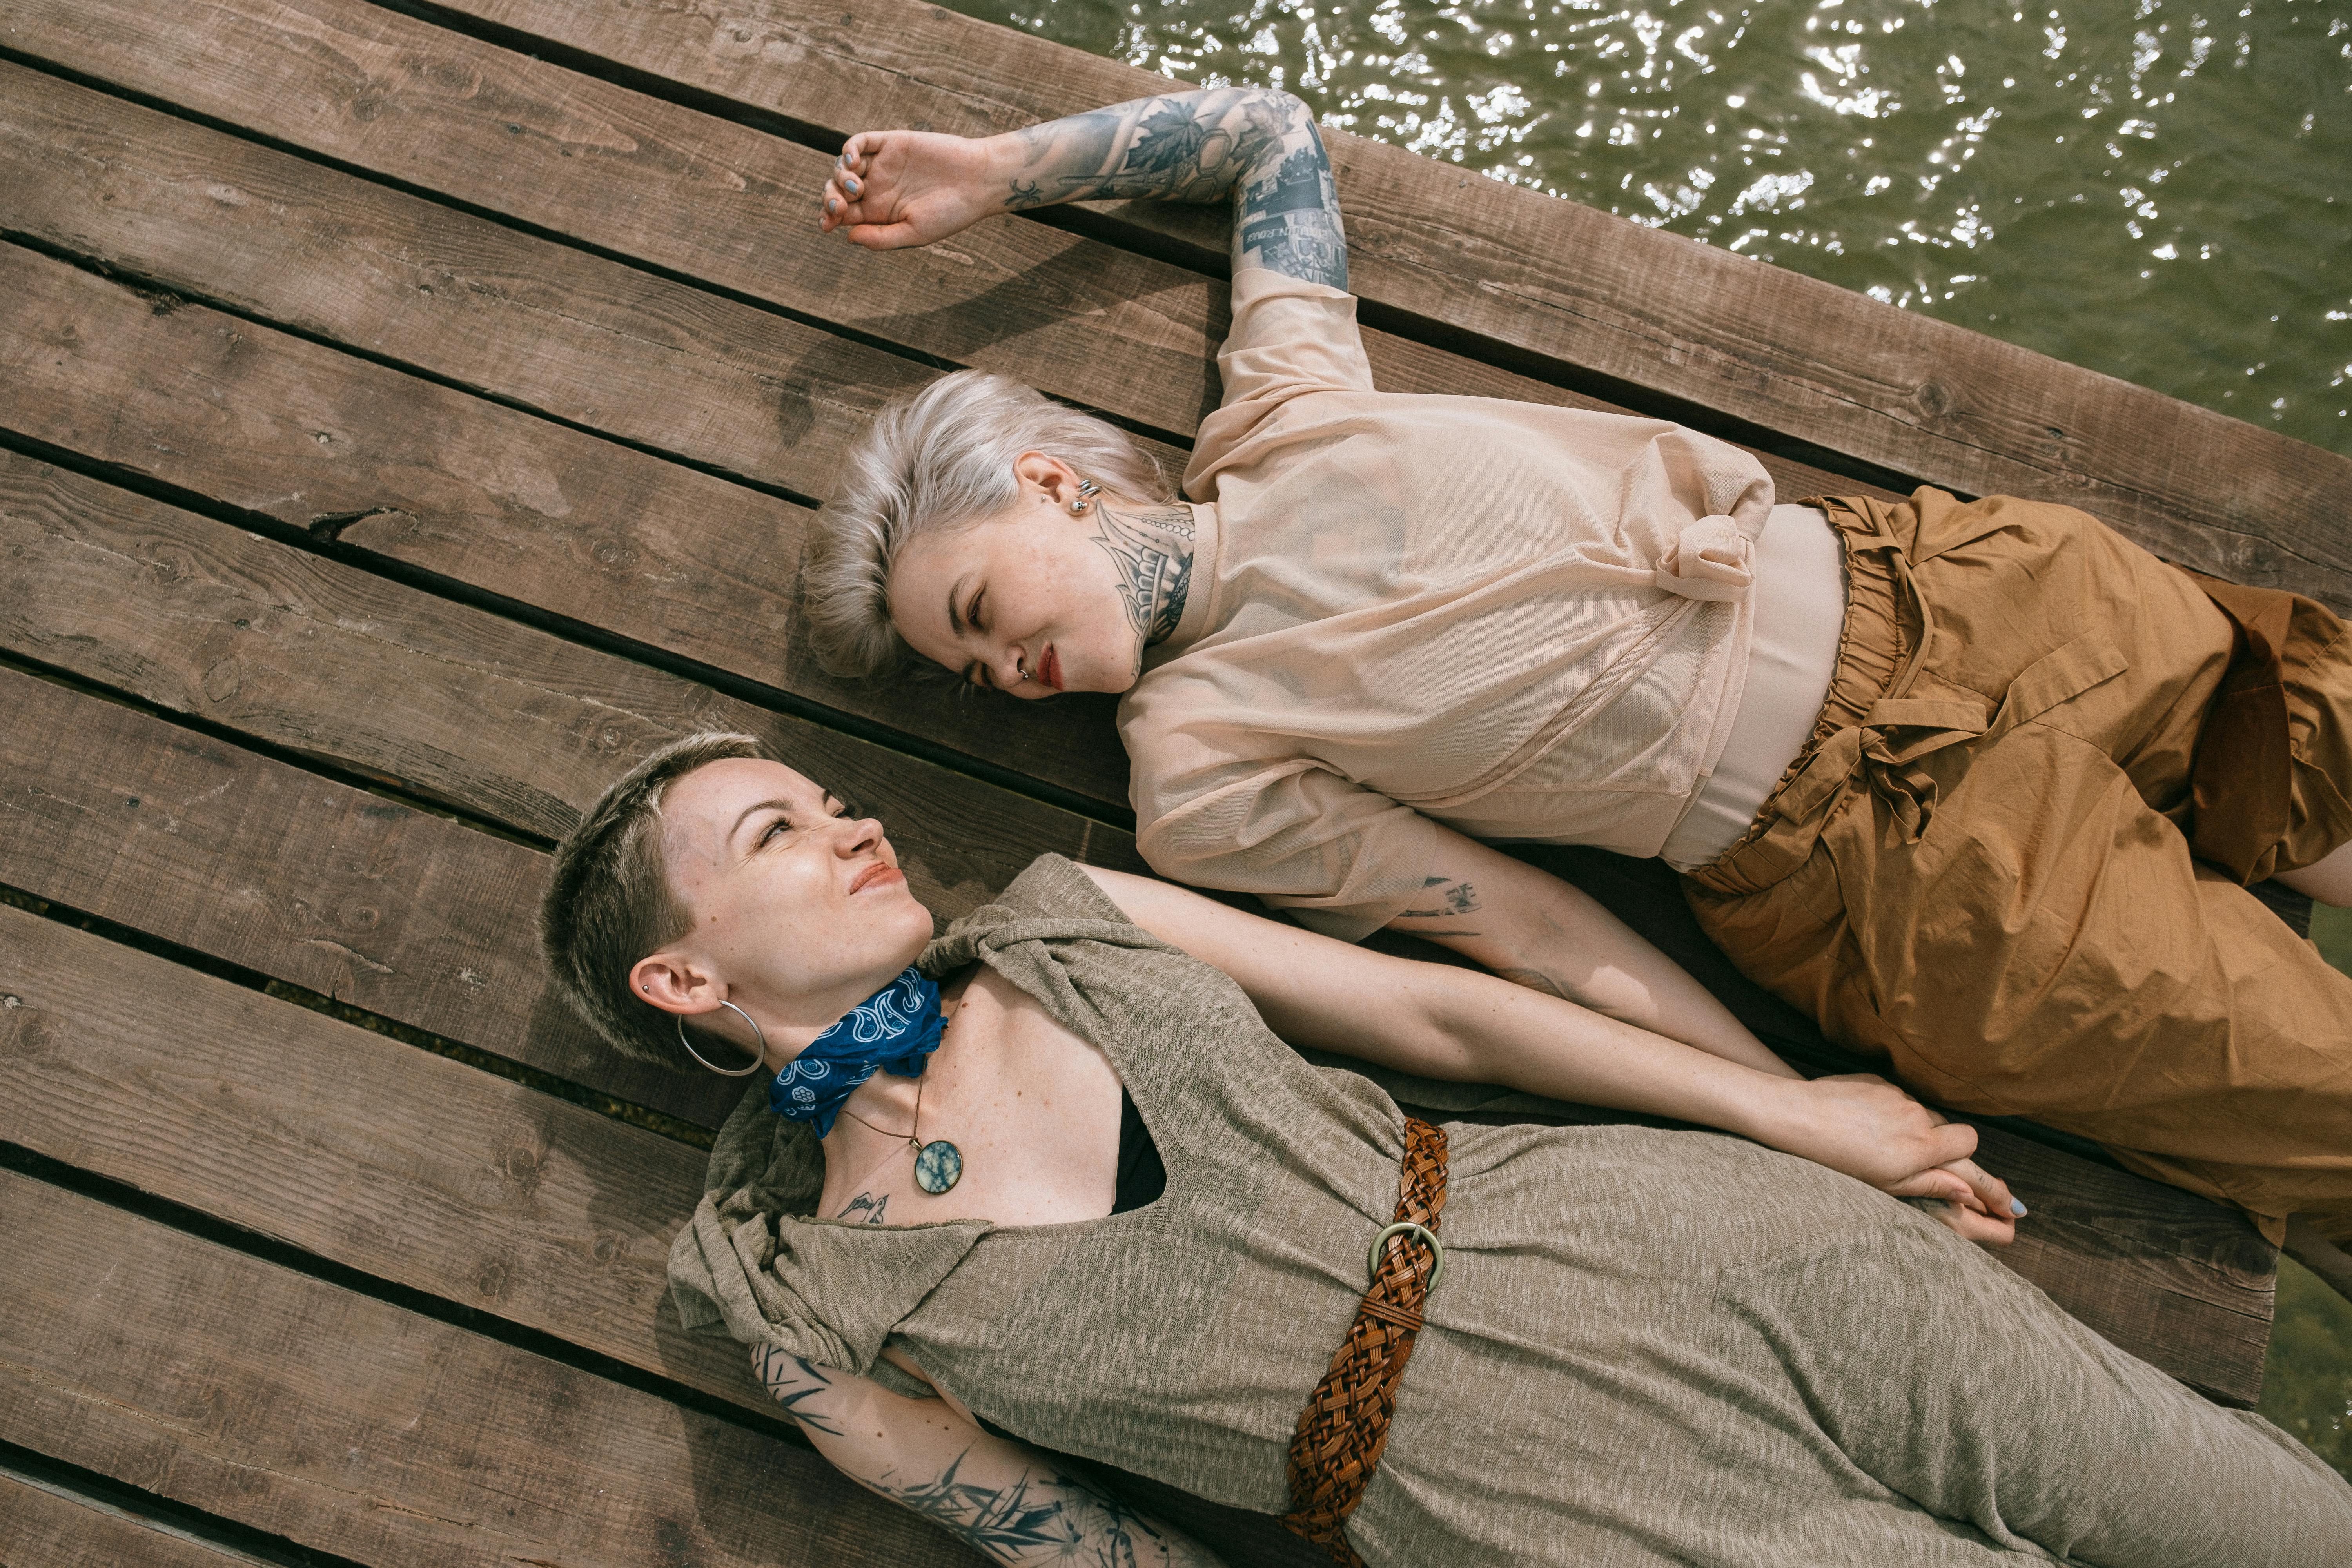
pixel 1525 622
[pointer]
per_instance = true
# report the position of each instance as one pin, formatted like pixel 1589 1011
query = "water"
pixel 2157 189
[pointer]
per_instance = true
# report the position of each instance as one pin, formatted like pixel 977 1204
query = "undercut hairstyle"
pixel 932 462
pixel 610 902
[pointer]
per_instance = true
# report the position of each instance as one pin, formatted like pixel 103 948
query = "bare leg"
pixel 2326 880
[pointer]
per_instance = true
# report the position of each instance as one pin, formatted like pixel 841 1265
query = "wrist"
pixel 1774 1110
pixel 1006 167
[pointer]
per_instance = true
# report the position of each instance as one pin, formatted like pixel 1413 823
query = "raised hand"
pixel 895 188
pixel 1864 1126
pixel 1254 147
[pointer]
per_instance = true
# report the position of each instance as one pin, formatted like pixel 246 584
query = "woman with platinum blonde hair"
pixel 1979 787
pixel 1062 1179
pixel 948 454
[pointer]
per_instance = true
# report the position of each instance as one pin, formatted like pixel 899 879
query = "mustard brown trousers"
pixel 2013 860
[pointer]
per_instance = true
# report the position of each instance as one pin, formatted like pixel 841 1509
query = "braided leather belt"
pixel 1346 1422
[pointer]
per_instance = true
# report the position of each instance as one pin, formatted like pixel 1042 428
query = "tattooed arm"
pixel 1254 146
pixel 1008 1502
pixel 1529 926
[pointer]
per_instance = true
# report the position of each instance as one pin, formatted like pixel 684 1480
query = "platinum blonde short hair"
pixel 935 461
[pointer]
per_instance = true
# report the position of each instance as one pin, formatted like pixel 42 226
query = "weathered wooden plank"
pixel 558 520
pixel 352 1427
pixel 1536 276
pixel 503 721
pixel 2144 1264
pixel 583 339
pixel 1030 303
pixel 325 658
pixel 403 1164
pixel 403 913
pixel 633 174
pixel 410 1167
pixel 2170 1277
pixel 42 1528
pixel 407 915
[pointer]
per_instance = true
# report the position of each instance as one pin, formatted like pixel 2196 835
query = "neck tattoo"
pixel 1152 548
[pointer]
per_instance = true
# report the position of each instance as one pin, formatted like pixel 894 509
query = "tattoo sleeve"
pixel 801 1387
pixel 1254 146
pixel 1010 1503
pixel 1042 1517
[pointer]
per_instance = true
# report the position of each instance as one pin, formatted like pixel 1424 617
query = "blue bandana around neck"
pixel 895 1031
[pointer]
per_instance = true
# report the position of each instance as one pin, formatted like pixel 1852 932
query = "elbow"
pixel 1293 110
pixel 1450 1035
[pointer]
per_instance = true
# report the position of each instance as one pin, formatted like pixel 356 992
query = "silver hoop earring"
pixel 757 1062
pixel 1087 490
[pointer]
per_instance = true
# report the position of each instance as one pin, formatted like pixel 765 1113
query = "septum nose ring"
pixel 1022 666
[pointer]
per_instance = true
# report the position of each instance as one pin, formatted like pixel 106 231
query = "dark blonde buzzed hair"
pixel 610 902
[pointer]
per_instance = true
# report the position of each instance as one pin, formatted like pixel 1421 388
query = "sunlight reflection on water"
pixel 2158 189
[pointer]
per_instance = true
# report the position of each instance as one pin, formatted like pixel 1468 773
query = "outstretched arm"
pixel 1010 1503
pixel 1529 926
pixel 1466 1025
pixel 1256 147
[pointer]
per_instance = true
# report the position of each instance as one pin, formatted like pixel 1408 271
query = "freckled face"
pixel 1027 602
pixel 796 904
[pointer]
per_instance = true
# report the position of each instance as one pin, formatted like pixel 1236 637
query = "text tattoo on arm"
pixel 1442 899
pixel 1257 146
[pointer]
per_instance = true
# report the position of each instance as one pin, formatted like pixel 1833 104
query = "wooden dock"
pixel 410 413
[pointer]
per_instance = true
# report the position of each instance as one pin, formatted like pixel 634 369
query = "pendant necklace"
pixel 939 1164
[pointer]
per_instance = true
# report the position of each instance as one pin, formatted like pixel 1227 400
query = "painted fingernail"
pixel 850 186
pixel 831 206
pixel 2017 1208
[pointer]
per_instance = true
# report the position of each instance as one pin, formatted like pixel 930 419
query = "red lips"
pixel 875 873
pixel 1049 668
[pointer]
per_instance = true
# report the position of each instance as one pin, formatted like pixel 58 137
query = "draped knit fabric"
pixel 1649 1347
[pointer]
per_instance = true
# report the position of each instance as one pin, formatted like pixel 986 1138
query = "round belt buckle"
pixel 1420 1233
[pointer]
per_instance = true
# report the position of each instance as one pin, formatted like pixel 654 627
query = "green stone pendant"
pixel 938 1166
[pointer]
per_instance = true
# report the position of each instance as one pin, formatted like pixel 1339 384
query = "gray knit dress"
pixel 1649 1347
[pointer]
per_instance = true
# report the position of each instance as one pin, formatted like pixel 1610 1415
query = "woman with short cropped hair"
pixel 1060 1178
